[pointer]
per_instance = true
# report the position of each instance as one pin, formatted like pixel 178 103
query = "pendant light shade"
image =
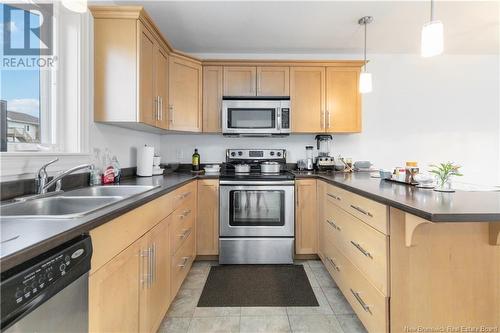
pixel 77 6
pixel 432 39
pixel 365 78
pixel 365 82
pixel 432 36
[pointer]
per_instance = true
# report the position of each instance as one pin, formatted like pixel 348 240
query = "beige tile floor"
pixel 334 313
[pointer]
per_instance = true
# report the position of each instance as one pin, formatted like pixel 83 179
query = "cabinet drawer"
pixel 182 194
pixel 182 225
pixel 369 304
pixel 364 246
pixel 181 263
pixel 369 211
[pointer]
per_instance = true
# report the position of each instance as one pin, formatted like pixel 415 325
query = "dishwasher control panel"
pixel 43 276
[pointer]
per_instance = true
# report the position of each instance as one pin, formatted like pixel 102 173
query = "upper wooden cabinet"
pixel 212 98
pixel 185 94
pixel 325 99
pixel 343 100
pixel 256 81
pixel 130 69
pixel 240 81
pixel 307 94
pixel 273 81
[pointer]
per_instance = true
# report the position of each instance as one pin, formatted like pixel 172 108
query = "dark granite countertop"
pixel 460 206
pixel 22 239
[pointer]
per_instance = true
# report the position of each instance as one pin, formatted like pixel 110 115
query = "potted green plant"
pixel 444 172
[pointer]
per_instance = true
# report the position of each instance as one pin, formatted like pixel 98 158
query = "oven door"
pixel 251 117
pixel 257 210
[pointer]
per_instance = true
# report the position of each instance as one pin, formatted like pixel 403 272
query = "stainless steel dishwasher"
pixel 48 293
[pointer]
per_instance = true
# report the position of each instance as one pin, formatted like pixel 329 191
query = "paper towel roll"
pixel 145 161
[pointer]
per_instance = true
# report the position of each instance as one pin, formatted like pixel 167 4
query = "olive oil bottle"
pixel 196 160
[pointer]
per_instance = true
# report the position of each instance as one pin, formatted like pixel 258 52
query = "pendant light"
pixel 365 78
pixel 432 36
pixel 77 6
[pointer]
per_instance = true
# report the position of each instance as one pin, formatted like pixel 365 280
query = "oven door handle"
pixel 257 182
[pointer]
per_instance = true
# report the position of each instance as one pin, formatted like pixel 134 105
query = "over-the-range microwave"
pixel 256 116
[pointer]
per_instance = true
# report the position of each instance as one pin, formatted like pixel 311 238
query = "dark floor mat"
pixel 257 285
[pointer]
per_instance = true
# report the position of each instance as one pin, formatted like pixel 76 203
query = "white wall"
pixel 444 108
pixel 122 142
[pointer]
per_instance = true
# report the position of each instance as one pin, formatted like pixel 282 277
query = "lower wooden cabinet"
pixel 155 294
pixel 306 224
pixel 207 224
pixel 131 293
pixel 114 292
pixel 134 279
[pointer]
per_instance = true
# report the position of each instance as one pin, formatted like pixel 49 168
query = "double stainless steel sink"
pixel 72 204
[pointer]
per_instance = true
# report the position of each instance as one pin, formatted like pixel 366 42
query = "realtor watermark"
pixel 28 36
pixel 451 329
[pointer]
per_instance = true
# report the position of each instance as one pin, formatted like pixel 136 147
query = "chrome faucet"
pixel 41 178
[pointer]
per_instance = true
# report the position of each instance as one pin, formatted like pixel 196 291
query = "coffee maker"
pixel 324 162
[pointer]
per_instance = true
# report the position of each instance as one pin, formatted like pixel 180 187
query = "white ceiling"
pixel 325 27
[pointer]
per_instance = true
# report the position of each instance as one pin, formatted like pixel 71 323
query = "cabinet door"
pixel 155 297
pixel 185 95
pixel 307 94
pixel 212 98
pixel 161 87
pixel 273 81
pixel 207 224
pixel 240 81
pixel 306 224
pixel 114 293
pixel 343 100
pixel 147 105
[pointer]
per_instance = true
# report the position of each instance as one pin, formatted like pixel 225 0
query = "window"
pixel 41 86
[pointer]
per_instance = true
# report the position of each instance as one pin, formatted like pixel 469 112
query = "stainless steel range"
pixel 257 208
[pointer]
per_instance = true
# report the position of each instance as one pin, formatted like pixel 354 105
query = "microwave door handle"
pixel 278 118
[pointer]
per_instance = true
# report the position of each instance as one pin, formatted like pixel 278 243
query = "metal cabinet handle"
pixel 145 280
pixel 362 250
pixel 155 108
pixel 328 119
pixel 185 234
pixel 334 196
pixel 184 263
pixel 365 306
pixel 337 268
pixel 362 211
pixel 278 118
pixel 153 266
pixel 334 225
pixel 161 108
pixel 322 119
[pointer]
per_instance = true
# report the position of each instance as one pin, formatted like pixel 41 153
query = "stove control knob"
pixel 240 153
pixel 18 294
pixel 233 154
pixel 62 267
pixel 271 153
pixel 279 154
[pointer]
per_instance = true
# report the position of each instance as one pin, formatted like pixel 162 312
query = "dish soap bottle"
pixel 196 160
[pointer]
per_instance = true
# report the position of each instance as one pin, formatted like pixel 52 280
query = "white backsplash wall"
pixel 122 142
pixel 429 110
pixel 212 147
